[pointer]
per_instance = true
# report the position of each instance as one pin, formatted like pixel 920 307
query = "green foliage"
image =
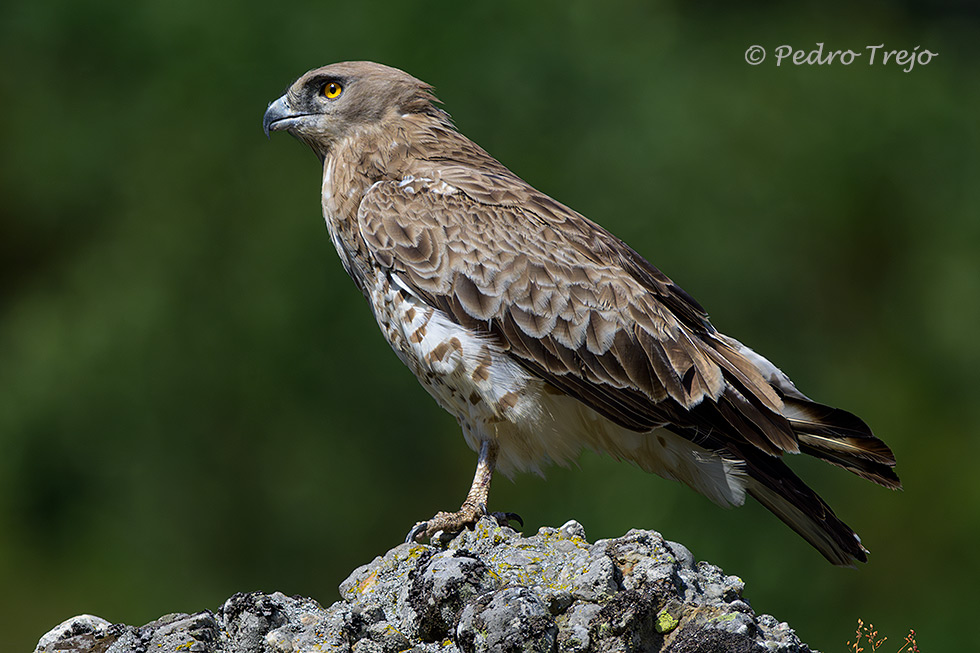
pixel 194 399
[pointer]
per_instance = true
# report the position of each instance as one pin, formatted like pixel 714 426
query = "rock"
pixel 83 628
pixel 509 619
pixel 489 589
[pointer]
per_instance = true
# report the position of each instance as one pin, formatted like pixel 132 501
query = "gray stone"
pixel 572 529
pixel 488 589
pixel 448 581
pixel 574 632
pixel 685 559
pixel 83 626
pixel 508 620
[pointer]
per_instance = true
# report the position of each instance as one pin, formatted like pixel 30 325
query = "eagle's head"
pixel 330 103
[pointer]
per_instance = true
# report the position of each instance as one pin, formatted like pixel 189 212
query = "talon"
pixel 504 518
pixel 417 530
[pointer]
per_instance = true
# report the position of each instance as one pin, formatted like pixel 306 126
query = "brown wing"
pixel 572 303
pixel 583 311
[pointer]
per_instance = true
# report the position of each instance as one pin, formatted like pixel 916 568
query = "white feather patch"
pixel 534 425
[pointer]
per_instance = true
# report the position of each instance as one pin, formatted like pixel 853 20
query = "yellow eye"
pixel 332 90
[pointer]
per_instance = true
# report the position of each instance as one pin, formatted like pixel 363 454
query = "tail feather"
pixel 834 436
pixel 842 439
pixel 801 509
pixel 773 484
pixel 758 419
pixel 831 434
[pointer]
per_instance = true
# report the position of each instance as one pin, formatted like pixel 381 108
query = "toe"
pixel 504 518
pixel 417 534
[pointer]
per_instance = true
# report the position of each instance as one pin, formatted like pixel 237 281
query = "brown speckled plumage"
pixel 542 332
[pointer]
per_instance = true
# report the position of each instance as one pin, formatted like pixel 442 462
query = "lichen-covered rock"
pixel 489 589
pixel 509 619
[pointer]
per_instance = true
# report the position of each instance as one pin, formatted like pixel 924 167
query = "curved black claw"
pixel 417 530
pixel 504 518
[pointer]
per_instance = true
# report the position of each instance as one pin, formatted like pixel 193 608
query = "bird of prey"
pixel 540 331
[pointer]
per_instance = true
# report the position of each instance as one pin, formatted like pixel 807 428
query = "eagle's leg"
pixel 474 506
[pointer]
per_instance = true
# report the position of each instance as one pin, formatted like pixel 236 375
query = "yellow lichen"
pixel 666 622
pixel 367 583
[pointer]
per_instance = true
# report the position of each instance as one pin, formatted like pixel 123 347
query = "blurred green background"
pixel 194 399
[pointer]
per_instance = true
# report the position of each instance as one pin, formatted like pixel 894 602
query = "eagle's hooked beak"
pixel 279 116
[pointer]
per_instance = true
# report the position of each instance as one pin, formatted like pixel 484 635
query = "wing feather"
pixel 572 303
